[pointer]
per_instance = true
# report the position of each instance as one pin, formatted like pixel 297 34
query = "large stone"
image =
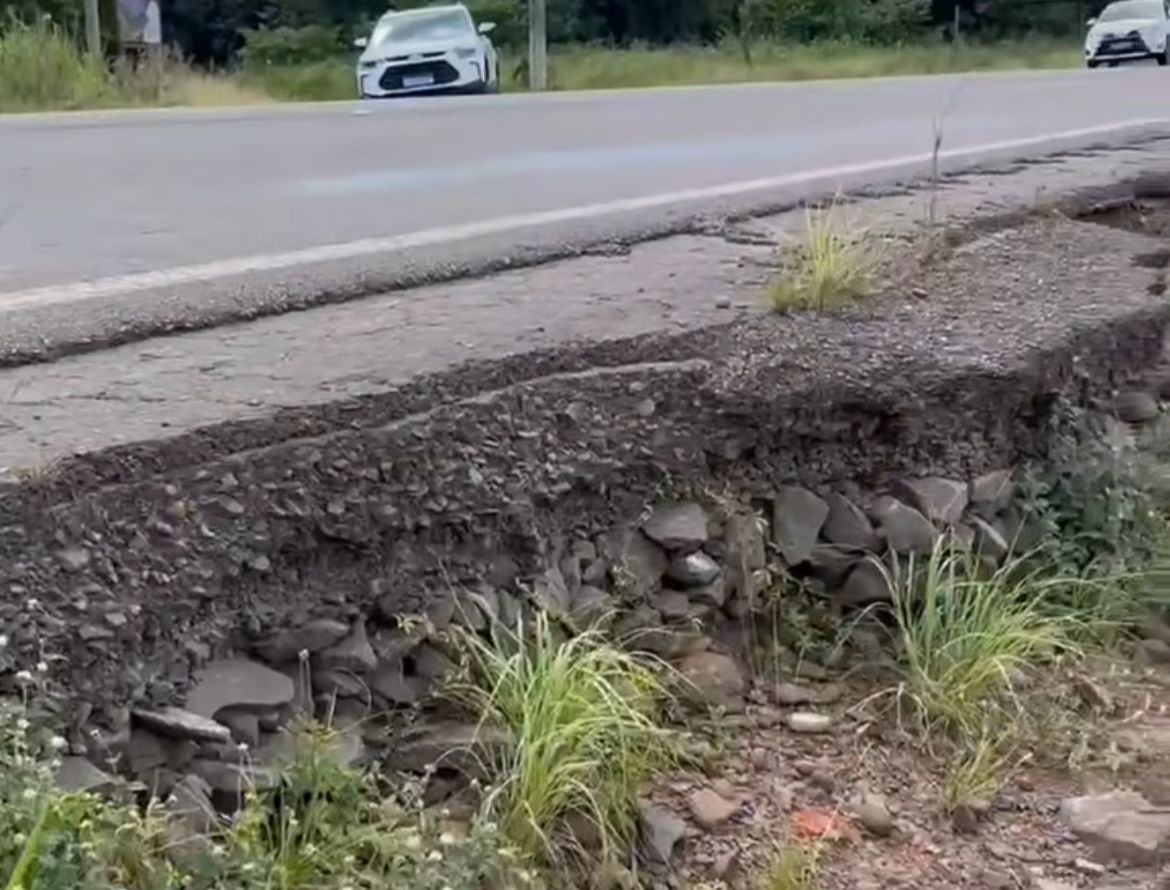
pixel 1120 826
pixel 992 492
pixel 389 680
pixel 636 563
pixel 938 499
pixel 551 592
pixel 176 723
pixel 677 528
pixel 467 747
pixel 312 637
pixel 832 564
pixel 713 679
pixel 988 543
pixel 352 652
pixel 76 774
pixel 868 583
pixel 798 516
pixel 905 529
pixel 847 525
pixel 592 606
pixel 190 803
pixel 692 569
pixel 745 538
pixel 238 683
pixel 661 831
pixel 1136 406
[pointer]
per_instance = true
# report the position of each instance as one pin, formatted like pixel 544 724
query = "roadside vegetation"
pixel 43 67
pixel 830 266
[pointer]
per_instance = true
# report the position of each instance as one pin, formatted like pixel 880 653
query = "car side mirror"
pixel 487 27
pixel 1090 22
pixel 361 43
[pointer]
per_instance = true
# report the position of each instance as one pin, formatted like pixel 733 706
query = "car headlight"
pixel 466 52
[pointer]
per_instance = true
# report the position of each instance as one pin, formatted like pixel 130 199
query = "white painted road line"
pixel 122 285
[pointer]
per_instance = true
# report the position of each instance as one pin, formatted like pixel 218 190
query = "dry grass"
pixel 794 866
pixel 833 265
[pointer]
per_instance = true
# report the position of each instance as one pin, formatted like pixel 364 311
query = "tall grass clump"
pixel 584 720
pixel 793 866
pixel 831 266
pixel 966 633
pixel 41 67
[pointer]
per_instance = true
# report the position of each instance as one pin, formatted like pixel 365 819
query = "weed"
pixel 966 633
pixel 976 770
pixel 831 267
pixel 584 721
pixel 794 866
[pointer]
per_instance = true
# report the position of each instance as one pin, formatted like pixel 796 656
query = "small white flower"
pixel 29 794
pixel 57 743
pixel 42 667
pixel 32 603
pixel 24 677
pixel 22 724
pixel 435 856
pixel 3 641
pixel 446 839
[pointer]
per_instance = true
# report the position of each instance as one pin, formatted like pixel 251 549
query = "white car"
pixel 1126 31
pixel 435 49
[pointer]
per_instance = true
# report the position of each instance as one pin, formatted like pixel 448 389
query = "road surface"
pixel 116 206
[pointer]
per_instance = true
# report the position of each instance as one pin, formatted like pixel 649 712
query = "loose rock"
pixel 710 809
pixel 807 722
pixel 847 525
pixel 692 569
pixel 992 492
pixel 1120 826
pixel 176 723
pixel 312 637
pixel 661 830
pixel 238 683
pixel 677 528
pixel 938 499
pixel 714 679
pixel 874 815
pixel 1136 406
pixel 798 516
pixel 906 530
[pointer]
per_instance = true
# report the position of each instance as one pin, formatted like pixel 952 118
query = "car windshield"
pixel 431 25
pixel 1132 9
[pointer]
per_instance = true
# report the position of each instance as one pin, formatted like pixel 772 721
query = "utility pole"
pixel 93 29
pixel 958 23
pixel 537 46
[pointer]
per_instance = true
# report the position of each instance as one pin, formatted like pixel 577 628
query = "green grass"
pixel 584 720
pixel 965 634
pixel 793 866
pixel 597 68
pixel 831 266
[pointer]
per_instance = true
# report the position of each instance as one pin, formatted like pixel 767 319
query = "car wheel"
pixel 1162 58
pixel 1092 63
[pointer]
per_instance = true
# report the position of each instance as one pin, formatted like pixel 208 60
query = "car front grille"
pixel 1122 45
pixel 441 72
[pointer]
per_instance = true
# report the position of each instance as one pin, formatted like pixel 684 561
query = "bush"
pixel 291 46
pixel 319 82
pixel 41 67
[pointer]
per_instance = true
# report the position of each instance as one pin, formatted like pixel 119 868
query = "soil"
pixel 786 783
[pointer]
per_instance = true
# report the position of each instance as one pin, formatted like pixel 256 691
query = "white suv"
pixel 436 49
pixel 1126 31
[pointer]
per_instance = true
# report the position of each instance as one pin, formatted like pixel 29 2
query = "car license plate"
pixel 409 81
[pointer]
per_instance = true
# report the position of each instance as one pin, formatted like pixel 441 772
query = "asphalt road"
pixel 109 208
